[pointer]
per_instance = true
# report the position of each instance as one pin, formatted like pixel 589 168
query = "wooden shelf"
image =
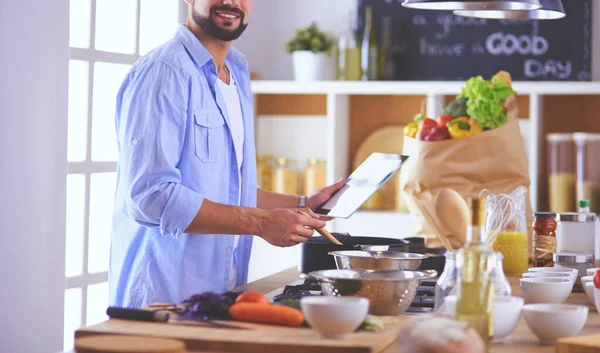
pixel 353 110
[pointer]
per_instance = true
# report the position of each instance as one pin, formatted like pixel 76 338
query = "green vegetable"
pixel 485 100
pixel 457 108
pixel 419 117
pixel 371 323
pixel 310 39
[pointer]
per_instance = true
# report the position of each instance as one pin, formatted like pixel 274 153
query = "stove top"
pixel 422 303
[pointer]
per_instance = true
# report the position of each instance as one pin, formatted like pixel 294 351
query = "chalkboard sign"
pixel 436 45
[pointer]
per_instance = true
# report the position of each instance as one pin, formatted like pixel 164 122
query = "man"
pixel 187 203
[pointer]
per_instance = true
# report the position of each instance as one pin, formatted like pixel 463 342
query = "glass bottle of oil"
pixel 348 63
pixel 369 50
pixel 475 290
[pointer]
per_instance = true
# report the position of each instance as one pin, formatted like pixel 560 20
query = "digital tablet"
pixel 375 171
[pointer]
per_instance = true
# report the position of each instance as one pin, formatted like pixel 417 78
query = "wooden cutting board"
pixel 579 344
pixel 258 339
pixel 127 344
pixel 388 139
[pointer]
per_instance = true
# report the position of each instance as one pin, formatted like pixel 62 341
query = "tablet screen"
pixel 375 171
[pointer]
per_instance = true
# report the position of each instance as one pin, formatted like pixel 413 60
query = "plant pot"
pixel 309 66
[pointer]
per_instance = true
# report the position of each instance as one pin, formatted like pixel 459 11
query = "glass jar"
pixel 544 238
pixel 501 283
pixel 315 175
pixel 447 281
pixel 579 261
pixel 286 179
pixel 562 173
pixel 506 217
pixel 588 173
pixel 446 284
pixel 265 165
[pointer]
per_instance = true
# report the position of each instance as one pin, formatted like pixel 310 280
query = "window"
pixel 106 39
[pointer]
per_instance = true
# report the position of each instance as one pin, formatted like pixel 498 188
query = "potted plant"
pixel 311 51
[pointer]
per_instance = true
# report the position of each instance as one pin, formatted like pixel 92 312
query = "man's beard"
pixel 209 26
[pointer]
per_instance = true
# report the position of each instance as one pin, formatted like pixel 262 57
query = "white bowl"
pixel 586 279
pixel 589 291
pixel 507 311
pixel 572 271
pixel 334 317
pixel 597 299
pixel 546 290
pixel 548 275
pixel 591 271
pixel 549 322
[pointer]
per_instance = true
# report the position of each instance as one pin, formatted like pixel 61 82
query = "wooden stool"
pixel 127 344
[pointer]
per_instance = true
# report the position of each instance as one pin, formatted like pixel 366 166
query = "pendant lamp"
pixel 474 5
pixel 550 10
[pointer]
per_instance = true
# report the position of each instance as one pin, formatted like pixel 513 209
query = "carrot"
pixel 266 313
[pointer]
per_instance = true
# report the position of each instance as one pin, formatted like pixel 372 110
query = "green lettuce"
pixel 485 100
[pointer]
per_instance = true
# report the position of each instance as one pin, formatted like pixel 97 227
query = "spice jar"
pixel 447 281
pixel 286 179
pixel 544 238
pixel 265 165
pixel 574 260
pixel 562 173
pixel 315 175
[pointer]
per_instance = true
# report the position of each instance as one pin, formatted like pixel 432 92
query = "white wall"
pixel 272 23
pixel 34 61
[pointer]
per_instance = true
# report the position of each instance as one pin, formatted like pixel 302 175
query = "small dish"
pixel 549 322
pixel 589 291
pixel 334 317
pixel 546 289
pixel 507 311
pixel 572 271
pixel 548 275
pixel 591 271
pixel 586 279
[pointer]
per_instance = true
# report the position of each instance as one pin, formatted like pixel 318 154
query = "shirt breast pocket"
pixel 210 136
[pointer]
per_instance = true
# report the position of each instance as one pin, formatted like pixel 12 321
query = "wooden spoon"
pixel 452 212
pixel 323 231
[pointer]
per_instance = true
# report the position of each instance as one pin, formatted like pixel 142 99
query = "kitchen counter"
pixel 519 341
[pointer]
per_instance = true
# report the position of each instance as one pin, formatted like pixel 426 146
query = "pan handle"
pixel 316 278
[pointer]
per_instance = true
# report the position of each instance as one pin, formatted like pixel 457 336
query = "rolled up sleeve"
pixel 151 127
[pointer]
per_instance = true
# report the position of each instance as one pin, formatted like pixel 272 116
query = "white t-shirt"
pixel 232 100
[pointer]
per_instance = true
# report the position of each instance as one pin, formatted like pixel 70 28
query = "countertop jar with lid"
pixel 574 260
pixel 562 173
pixel 265 165
pixel 576 232
pixel 588 173
pixel 286 177
pixel 315 175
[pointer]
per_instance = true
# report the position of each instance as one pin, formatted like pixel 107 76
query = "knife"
pixel 160 317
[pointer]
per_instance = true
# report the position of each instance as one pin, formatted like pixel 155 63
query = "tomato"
pixel 252 297
pixel 442 120
pixel 597 279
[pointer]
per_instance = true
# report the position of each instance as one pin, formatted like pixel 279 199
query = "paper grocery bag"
pixel 494 160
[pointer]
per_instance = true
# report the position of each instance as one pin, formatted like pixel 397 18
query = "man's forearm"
pixel 215 218
pixel 269 200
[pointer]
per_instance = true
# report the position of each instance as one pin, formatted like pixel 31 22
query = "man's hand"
pixel 287 227
pixel 320 196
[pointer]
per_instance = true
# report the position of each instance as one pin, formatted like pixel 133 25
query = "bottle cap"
pixel 584 203
pixel 572 258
